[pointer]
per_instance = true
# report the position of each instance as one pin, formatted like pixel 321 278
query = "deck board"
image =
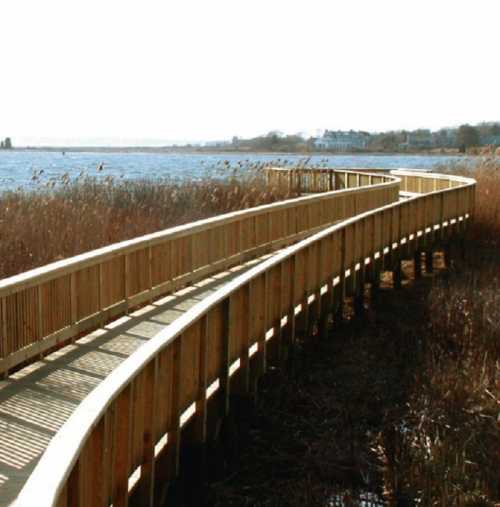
pixel 37 400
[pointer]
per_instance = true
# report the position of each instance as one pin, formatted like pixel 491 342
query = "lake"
pixel 17 167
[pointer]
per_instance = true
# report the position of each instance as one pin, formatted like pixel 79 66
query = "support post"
pixel 428 261
pixel 447 254
pixel 397 275
pixel 417 264
pixel 375 279
pixel 359 296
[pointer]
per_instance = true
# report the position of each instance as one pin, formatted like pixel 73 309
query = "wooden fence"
pixel 53 304
pixel 125 436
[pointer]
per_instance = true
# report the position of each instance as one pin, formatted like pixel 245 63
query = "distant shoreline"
pixel 178 150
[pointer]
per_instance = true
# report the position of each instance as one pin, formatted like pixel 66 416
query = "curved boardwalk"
pixel 116 358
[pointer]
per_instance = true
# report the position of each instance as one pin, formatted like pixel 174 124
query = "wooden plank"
pixel 146 485
pixel 122 445
pixel 96 475
pixel 174 437
pixel 200 423
pixel 226 338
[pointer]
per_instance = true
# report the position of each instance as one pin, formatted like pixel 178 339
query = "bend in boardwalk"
pixel 125 406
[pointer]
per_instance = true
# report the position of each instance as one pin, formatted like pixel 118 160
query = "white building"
pixel 342 141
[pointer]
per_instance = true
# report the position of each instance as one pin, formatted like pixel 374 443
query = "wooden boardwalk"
pixel 37 400
pixel 110 408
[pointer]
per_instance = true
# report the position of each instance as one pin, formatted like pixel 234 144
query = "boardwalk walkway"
pixel 37 400
pixel 84 426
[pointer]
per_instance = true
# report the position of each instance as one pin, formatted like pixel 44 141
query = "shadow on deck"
pixel 38 399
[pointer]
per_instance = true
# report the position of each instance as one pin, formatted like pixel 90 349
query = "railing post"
pixel 274 346
pixel 339 289
pixel 303 320
pixel 396 270
pixel 389 257
pixel 441 217
pixel 315 310
pixel 288 332
pixel 359 289
pixel 263 352
pixel 101 294
pixel 225 360
pixel 423 239
pixel 122 447
pixel 4 349
pixel 146 491
pixel 374 265
pixel 40 305
pixel 172 457
pixel 126 274
pixel 327 298
pixel 73 486
pixel 240 385
pixel 73 297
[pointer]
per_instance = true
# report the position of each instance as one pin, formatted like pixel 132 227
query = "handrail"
pixel 50 305
pixel 109 446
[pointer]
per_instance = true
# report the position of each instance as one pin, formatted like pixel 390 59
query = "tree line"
pixel 460 138
pixel 6 144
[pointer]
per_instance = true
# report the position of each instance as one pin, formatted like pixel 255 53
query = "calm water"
pixel 17 167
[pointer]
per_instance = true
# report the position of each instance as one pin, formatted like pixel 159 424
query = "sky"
pixel 154 72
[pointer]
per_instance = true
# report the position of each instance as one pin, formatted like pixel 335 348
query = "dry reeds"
pixel 65 217
pixel 445 447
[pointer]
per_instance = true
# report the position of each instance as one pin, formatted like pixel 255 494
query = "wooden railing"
pixel 322 180
pixel 53 304
pixel 126 435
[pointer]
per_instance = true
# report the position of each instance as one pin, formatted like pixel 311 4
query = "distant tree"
pixel 467 136
pixel 495 129
pixel 2 145
pixel 388 142
pixel 271 140
pixel 7 143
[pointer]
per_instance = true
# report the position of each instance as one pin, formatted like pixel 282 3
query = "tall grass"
pixel 68 216
pixel 445 450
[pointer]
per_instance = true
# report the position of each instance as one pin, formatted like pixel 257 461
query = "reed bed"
pixel 67 216
pixel 445 447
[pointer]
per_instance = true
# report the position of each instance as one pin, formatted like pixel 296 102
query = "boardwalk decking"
pixel 101 414
pixel 37 400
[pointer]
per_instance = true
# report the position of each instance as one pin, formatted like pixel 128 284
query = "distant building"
pixel 418 139
pixel 217 144
pixel 342 141
pixel 490 140
pixel 445 138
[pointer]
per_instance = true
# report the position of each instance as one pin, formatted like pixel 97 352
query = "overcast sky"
pixel 146 72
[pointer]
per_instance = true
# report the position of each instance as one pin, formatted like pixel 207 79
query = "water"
pixel 17 167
